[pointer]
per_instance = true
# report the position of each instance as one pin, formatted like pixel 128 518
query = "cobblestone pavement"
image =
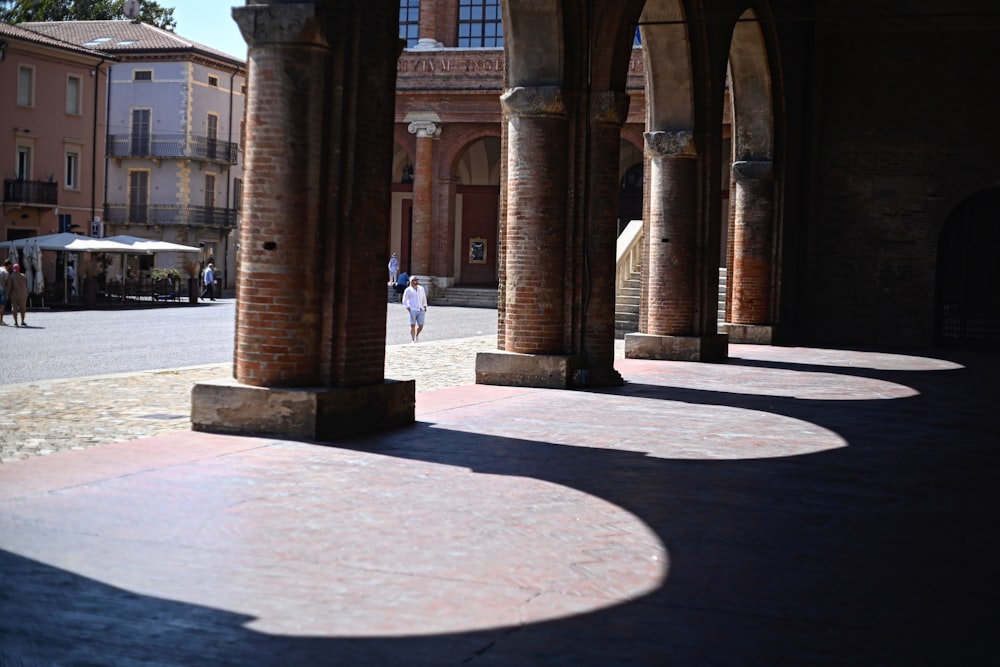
pixel 55 415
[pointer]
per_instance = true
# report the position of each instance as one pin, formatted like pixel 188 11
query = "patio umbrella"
pixel 12 255
pixel 37 284
pixel 141 245
pixel 29 266
pixel 68 242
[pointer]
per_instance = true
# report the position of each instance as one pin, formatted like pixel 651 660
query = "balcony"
pixel 172 146
pixel 155 214
pixel 30 193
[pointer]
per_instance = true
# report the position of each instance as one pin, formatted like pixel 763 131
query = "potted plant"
pixel 166 281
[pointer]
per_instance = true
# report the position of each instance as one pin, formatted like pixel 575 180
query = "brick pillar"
pixel 608 113
pixel 423 198
pixel 535 233
pixel 313 236
pixel 752 244
pixel 672 247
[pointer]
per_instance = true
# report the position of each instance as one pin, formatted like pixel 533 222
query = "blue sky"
pixel 209 22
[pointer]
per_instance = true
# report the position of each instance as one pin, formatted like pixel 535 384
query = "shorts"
pixel 417 317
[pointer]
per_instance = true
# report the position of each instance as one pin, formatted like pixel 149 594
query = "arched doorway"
pixel 968 305
pixel 478 200
pixel 401 225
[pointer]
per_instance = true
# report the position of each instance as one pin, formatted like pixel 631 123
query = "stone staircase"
pixel 469 297
pixel 627 299
pixel 628 290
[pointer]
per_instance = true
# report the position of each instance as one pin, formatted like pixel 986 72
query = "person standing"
pixel 393 269
pixel 71 279
pixel 415 301
pixel 17 293
pixel 402 282
pixel 4 272
pixel 209 279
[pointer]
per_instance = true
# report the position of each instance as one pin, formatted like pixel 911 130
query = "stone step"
pixel 472 297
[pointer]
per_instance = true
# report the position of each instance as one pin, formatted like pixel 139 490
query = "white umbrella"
pixel 141 245
pixel 68 242
pixel 12 256
pixel 29 266
pixel 37 286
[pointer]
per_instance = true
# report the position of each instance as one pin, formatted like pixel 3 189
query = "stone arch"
pixel 752 96
pixel 668 64
pixel 462 141
pixel 533 42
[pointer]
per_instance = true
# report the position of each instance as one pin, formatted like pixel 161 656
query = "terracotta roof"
pixel 19 33
pixel 125 38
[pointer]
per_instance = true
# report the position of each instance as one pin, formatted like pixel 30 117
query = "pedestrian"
pixel 393 269
pixel 415 301
pixel 4 272
pixel 402 282
pixel 17 293
pixel 71 279
pixel 209 279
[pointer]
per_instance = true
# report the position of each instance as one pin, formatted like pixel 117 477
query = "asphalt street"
pixel 61 344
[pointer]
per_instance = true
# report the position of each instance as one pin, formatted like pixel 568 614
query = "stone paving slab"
pixel 41 418
pixel 790 507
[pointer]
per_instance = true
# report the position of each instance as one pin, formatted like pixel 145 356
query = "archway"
pixel 968 306
pixel 751 247
pixel 477 170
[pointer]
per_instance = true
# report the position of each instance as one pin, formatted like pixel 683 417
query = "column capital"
pixel 671 144
pixel 753 170
pixel 280 23
pixel 424 129
pixel 534 101
pixel 609 107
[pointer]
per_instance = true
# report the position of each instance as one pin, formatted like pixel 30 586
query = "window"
pixel 25 86
pixel 209 191
pixel 140 132
pixel 24 163
pixel 138 195
pixel 213 81
pixel 72 181
pixel 142 75
pixel 213 136
pixel 479 23
pixel 409 21
pixel 74 88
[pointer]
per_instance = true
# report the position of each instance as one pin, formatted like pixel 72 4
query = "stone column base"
pixel 752 334
pixel 677 348
pixel 301 413
pixel 551 371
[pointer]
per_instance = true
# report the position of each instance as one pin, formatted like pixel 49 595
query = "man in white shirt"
pixel 415 301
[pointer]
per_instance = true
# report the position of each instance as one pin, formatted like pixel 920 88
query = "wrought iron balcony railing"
pixel 173 145
pixel 155 214
pixel 33 193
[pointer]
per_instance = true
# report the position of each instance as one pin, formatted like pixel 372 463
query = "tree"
pixel 19 11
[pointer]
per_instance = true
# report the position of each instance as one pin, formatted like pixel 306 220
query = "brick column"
pixel 671 237
pixel 428 29
pixel 608 113
pixel 535 322
pixel 423 199
pixel 752 243
pixel 309 255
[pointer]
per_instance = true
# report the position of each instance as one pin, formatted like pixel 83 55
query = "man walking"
pixel 209 282
pixel 415 301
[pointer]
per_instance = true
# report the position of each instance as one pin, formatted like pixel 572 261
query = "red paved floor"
pixel 789 507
